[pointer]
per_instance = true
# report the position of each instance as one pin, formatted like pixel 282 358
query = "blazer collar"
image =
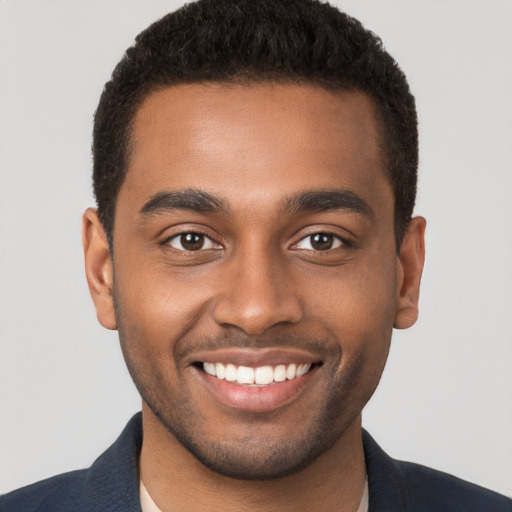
pixel 112 482
pixel 387 483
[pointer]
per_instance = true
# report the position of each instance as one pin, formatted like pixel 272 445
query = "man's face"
pixel 253 242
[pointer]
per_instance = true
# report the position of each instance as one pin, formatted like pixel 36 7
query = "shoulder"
pixel 406 487
pixel 54 494
pixel 434 490
pixel 111 483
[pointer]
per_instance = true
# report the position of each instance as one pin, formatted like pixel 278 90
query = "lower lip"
pixel 255 398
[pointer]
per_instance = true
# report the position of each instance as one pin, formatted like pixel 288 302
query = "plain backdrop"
pixel 445 399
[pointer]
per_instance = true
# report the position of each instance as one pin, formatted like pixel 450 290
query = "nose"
pixel 257 293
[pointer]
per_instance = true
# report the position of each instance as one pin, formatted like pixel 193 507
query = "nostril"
pixel 255 318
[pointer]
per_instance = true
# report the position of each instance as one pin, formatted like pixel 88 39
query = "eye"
pixel 191 241
pixel 319 242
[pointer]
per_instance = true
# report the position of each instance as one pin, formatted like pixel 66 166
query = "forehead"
pixel 254 141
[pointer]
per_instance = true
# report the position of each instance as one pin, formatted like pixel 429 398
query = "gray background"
pixel 445 399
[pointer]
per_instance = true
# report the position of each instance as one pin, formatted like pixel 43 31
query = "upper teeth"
pixel 260 375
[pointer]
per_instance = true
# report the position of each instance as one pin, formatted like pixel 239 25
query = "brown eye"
pixel 191 242
pixel 319 242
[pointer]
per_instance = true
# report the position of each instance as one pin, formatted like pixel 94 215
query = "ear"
pixel 98 268
pixel 409 269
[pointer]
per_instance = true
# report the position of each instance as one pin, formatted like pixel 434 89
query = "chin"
pixel 256 451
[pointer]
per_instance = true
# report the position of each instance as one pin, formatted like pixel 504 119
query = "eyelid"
pixel 176 237
pixel 338 242
pixel 346 239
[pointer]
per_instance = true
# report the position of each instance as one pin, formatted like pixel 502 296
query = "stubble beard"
pixel 248 457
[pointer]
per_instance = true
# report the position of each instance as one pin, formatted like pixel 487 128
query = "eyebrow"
pixel 316 201
pixel 189 199
pixel 327 200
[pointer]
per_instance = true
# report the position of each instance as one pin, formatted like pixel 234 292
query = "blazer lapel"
pixel 112 482
pixel 387 484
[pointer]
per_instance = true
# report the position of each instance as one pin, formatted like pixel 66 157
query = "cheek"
pixel 154 299
pixel 358 307
pixel 157 311
pixel 152 319
pixel 355 299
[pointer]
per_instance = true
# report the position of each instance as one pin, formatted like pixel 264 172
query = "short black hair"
pixel 298 41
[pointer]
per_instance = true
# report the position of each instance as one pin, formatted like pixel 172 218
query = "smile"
pixel 256 380
pixel 259 376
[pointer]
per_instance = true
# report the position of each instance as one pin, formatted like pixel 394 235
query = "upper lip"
pixel 256 357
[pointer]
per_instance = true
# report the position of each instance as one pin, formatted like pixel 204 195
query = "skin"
pixel 256 289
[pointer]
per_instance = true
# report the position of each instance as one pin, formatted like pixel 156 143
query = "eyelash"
pixel 179 236
pixel 336 241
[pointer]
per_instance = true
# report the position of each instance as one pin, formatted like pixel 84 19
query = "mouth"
pixel 255 384
pixel 260 376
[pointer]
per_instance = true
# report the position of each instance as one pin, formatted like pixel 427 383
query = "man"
pixel 255 172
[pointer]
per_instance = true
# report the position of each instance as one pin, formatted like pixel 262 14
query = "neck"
pixel 177 481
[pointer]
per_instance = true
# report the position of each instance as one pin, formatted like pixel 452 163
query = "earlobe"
pixel 98 268
pixel 410 267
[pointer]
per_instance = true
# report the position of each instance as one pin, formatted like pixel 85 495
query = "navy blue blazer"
pixel 112 484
